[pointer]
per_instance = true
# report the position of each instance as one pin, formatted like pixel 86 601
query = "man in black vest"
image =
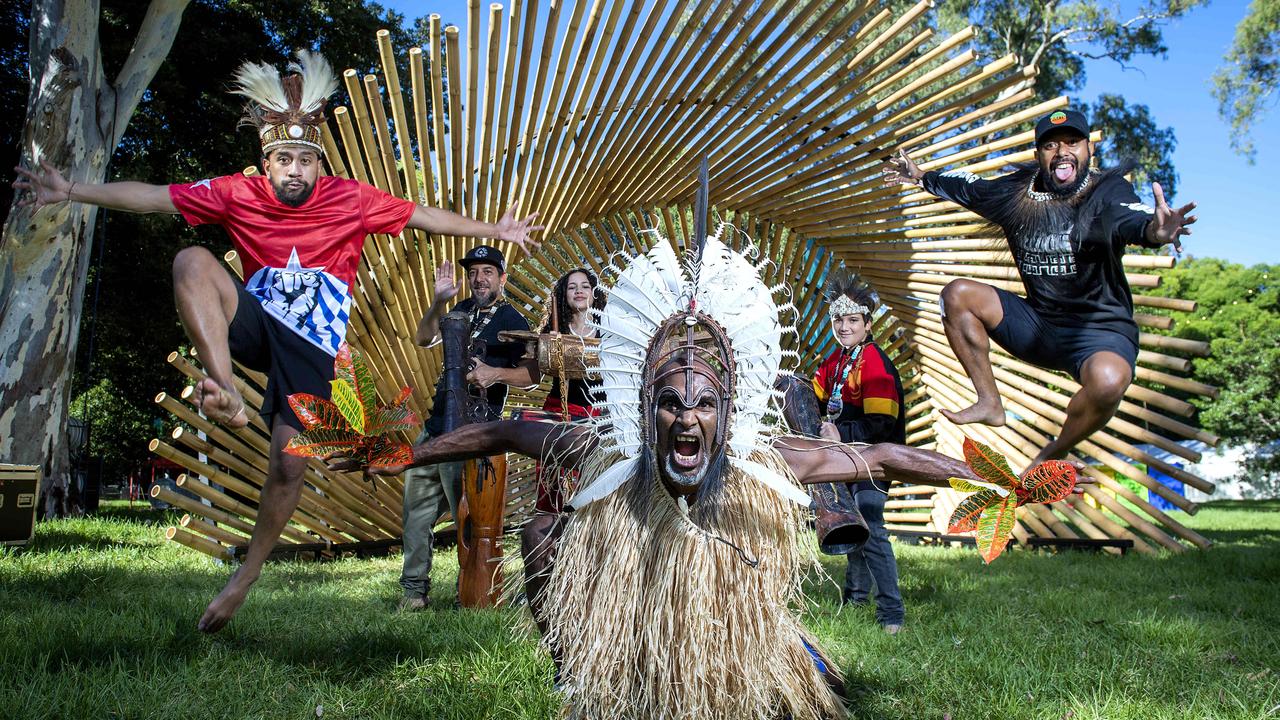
pixel 431 488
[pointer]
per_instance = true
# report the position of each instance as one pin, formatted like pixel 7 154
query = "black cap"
pixel 1073 119
pixel 484 254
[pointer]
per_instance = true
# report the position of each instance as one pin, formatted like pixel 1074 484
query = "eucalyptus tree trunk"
pixel 75 117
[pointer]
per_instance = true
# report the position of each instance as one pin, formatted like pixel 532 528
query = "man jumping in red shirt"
pixel 299 236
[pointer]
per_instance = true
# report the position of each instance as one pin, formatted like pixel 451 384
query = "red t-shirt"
pixel 299 262
pixel 870 385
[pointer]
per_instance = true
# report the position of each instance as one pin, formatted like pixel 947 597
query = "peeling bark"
pixel 74 120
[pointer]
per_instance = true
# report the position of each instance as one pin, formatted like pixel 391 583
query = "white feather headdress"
pixel 287 110
pixel 725 287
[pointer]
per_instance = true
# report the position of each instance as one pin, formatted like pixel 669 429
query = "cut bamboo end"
pixel 195 542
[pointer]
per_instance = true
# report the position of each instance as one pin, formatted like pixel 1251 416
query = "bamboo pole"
pixel 597 122
pixel 321 507
pixel 236 485
pixel 211 531
pixel 195 542
pixel 195 507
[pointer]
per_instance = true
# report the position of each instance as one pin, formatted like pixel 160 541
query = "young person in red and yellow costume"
pixel 862 396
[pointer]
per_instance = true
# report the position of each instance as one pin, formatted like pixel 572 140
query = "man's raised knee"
pixel 192 261
pixel 1107 378
pixel 958 295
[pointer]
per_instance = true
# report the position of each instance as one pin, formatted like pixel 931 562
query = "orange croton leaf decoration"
pixel 353 423
pixel 997 493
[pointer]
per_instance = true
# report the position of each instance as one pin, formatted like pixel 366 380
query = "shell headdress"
pixel 849 294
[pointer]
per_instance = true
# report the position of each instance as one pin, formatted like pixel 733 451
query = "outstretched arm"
pixel 566 445
pixel 47 186
pixel 960 187
pixel 822 461
pixel 444 222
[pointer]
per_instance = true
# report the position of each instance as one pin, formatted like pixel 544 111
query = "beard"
pixel 293 197
pixel 1051 184
pixel 484 297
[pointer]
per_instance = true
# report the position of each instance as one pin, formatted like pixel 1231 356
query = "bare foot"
pixel 992 415
pixel 224 606
pixel 221 405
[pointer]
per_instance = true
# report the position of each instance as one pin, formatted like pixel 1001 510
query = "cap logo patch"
pixel 1058 118
pixel 482 252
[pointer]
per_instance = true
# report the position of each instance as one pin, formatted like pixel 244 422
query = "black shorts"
pixel 292 364
pixel 1029 337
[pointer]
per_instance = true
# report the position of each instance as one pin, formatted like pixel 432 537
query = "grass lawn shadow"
pixel 97 619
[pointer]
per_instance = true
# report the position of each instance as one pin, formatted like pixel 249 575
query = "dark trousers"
pixel 873 565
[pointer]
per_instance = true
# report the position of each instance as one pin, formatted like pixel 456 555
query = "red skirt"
pixel 553 484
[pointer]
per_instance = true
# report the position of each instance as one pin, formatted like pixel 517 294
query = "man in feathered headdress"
pixel 676 575
pixel 862 395
pixel 299 235
pixel 1067 225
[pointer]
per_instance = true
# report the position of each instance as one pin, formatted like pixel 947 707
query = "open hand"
pixel 518 231
pixel 829 431
pixel 340 462
pixel 1082 478
pixel 446 283
pixel 1169 225
pixel 900 169
pixel 46 186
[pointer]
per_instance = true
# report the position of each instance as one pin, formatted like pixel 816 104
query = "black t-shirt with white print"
pixel 1072 276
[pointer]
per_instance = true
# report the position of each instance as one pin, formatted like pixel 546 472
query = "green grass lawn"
pixel 97 620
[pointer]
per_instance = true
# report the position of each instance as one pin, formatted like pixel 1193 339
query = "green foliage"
pixel 1060 39
pixel 995 527
pixel 1238 314
pixel 1130 133
pixel 15 23
pixel 97 619
pixel 1246 83
pixel 353 422
pixel 118 429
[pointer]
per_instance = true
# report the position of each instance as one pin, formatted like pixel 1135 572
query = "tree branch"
pixel 1049 42
pixel 1143 16
pixel 149 50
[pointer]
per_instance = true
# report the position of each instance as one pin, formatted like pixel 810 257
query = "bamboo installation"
pixel 596 113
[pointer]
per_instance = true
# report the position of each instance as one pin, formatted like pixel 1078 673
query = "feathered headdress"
pixel 287 110
pixel 716 306
pixel 848 294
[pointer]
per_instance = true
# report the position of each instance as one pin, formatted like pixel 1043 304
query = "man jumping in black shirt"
pixel 1067 225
